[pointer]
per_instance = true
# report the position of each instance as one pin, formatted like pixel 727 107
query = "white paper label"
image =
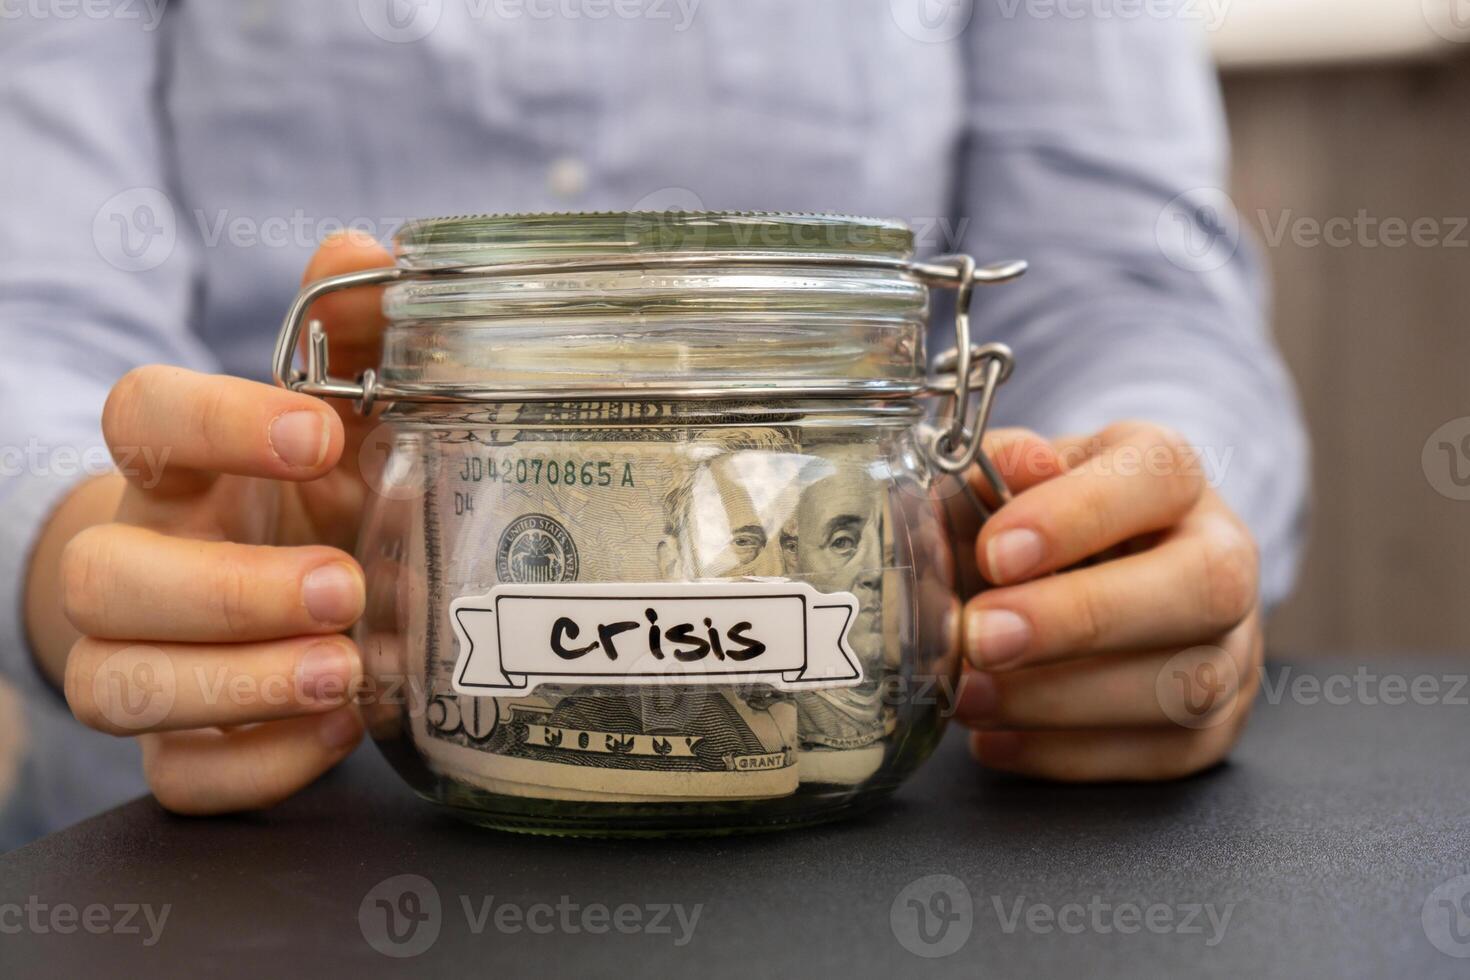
pixel 785 634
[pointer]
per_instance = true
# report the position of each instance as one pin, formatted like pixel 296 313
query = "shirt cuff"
pixel 27 500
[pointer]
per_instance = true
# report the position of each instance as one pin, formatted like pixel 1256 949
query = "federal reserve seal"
pixel 535 548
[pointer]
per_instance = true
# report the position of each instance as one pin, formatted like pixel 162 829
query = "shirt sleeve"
pixel 1095 148
pixel 96 277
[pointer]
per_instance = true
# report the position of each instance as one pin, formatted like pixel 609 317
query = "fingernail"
pixel 340 729
pixel 1011 555
pixel 300 438
pixel 979 697
pixel 324 672
pixel 333 594
pixel 997 636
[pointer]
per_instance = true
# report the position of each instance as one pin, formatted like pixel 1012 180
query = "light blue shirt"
pixel 166 173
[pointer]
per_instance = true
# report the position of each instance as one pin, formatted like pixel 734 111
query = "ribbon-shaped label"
pixel 785 634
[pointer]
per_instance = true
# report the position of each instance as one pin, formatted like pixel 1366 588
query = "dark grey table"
pixel 1335 842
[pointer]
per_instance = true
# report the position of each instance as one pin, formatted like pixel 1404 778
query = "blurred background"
pixel 1351 129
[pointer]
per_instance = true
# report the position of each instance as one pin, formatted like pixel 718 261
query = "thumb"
pixel 353 318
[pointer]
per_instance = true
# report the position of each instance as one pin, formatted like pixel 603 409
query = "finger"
pixel 203 772
pixel 129 583
pixel 1074 450
pixel 1113 691
pixel 1126 755
pixel 1023 459
pixel 194 425
pixel 1144 481
pixel 353 318
pixel 1197 583
pixel 125 688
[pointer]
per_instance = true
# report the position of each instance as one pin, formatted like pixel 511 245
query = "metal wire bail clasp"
pixel 957 443
pixel 317 380
pixel 960 373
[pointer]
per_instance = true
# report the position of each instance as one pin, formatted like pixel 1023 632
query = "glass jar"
pixel 655 542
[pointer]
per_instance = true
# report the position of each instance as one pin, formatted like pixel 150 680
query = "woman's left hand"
pixel 1139 664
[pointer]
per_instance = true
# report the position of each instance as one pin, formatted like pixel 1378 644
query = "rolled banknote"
pixel 626 493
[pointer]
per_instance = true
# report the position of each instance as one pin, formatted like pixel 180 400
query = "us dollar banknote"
pixel 842 545
pixel 625 492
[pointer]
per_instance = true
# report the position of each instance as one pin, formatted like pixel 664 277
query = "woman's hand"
pixel 212 606
pixel 1122 640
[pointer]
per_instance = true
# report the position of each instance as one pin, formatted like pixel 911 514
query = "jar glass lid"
pixel 672 305
pixel 652 299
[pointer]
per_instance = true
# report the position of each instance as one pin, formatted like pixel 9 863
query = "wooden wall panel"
pixel 1378 337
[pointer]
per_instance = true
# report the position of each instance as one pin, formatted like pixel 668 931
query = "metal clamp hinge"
pixel 954 446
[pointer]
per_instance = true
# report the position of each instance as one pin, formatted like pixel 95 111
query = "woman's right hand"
pixel 213 605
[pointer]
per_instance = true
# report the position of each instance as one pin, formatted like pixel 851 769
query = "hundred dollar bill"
pixel 631 503
pixel 842 546
pixel 595 494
